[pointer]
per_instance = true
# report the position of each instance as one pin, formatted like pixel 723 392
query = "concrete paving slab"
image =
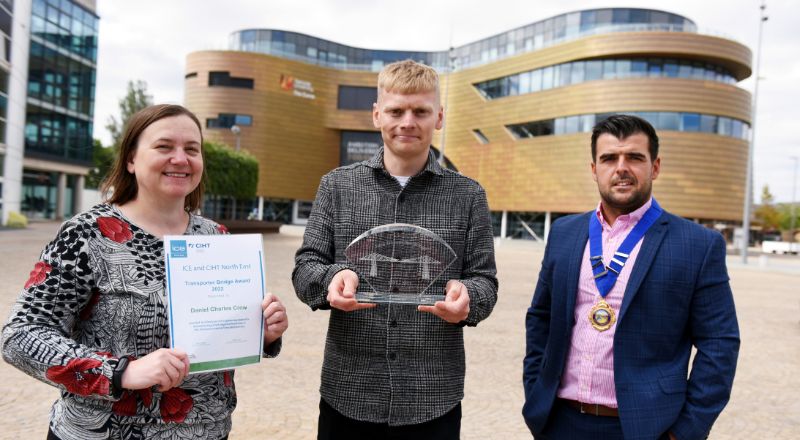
pixel 278 399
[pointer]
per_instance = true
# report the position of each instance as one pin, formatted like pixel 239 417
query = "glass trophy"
pixel 399 263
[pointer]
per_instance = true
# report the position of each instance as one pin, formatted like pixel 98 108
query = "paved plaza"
pixel 278 399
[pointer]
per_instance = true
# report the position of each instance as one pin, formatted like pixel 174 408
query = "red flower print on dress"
pixel 87 310
pixel 222 229
pixel 115 229
pixel 175 405
pixel 38 274
pixel 146 394
pixel 126 405
pixel 80 376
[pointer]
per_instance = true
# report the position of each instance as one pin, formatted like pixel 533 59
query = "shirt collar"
pixel 631 218
pixel 432 166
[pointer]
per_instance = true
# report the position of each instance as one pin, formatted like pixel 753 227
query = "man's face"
pixel 624 172
pixel 407 122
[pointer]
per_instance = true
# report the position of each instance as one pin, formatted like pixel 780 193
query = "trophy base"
pixel 396 298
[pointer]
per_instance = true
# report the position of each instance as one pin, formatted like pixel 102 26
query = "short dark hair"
pixel 622 126
pixel 120 183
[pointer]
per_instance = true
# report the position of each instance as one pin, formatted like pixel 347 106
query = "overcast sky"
pixel 149 40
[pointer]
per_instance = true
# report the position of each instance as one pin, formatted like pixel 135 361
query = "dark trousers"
pixel 566 423
pixel 334 426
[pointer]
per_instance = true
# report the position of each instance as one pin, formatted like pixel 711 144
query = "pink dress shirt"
pixel 589 372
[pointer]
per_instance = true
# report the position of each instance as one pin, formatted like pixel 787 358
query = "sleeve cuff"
pixel 274 349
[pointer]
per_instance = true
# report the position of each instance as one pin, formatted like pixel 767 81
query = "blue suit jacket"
pixel 677 296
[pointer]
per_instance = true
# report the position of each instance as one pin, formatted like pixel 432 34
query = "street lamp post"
pixel 238 133
pixel 793 217
pixel 450 69
pixel 748 191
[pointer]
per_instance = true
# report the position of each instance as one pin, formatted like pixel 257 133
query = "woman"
pixel 91 319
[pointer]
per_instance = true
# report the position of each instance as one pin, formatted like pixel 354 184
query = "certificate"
pixel 215 285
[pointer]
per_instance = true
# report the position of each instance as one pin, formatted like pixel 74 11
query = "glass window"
pixel 524 83
pixel 738 129
pixel 559 27
pixel 605 16
pixel 697 71
pixel 571 124
pixel 577 74
pixel 587 20
pixel 708 124
pixel 623 68
pixel 480 136
pixel 562 73
pixel 587 123
pixel 518 131
pixel 651 117
pixel 536 80
pixel 669 121
pixel 724 126
pixel 560 126
pixel 639 15
pixel 622 16
pixel 609 69
pixel 243 120
pixel 513 85
pixel 638 68
pixel 671 68
pixel 547 78
pixel 593 70
pixel 654 67
pixel 224 79
pixel 685 69
pixel 690 122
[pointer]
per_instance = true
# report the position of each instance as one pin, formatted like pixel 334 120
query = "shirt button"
pixel 395 289
pixel 393 323
pixel 392 356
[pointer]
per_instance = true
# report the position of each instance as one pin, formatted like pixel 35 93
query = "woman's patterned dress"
pixel 98 293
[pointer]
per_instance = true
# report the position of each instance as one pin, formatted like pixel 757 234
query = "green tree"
pixel 134 100
pixel 766 213
pixel 786 216
pixel 102 158
pixel 230 173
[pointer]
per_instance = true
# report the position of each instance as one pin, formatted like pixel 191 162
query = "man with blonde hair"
pixel 394 370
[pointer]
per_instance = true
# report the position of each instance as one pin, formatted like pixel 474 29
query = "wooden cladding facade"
pixel 296 139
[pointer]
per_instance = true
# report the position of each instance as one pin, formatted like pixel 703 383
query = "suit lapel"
pixel 575 261
pixel 644 261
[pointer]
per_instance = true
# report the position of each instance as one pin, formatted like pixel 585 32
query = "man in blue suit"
pixel 623 294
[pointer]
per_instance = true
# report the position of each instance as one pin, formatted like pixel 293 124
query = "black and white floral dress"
pixel 98 293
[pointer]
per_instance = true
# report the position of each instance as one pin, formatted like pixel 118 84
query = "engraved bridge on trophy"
pixel 399 263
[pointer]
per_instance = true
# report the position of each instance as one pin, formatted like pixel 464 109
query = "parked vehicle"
pixel 779 247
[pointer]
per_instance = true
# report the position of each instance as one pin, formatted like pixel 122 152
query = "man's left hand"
pixel 455 306
pixel 275 319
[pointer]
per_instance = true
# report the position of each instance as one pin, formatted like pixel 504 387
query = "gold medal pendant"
pixel 601 316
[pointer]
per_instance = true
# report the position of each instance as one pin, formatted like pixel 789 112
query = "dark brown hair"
pixel 622 126
pixel 120 186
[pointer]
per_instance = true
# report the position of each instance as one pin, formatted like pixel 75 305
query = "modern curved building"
pixel 519 109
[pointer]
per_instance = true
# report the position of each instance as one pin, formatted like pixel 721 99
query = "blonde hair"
pixel 407 77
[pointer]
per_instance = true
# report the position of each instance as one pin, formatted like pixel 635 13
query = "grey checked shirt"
pixel 393 364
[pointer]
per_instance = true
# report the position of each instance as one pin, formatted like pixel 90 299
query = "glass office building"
pixel 59 105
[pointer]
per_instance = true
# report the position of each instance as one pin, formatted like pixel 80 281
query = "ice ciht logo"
pixel 178 248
